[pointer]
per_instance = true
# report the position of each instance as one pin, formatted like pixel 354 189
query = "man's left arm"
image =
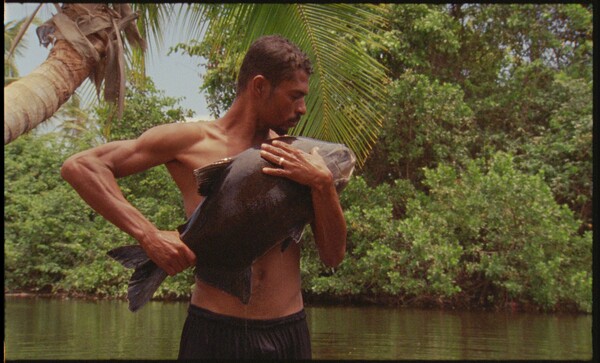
pixel 329 225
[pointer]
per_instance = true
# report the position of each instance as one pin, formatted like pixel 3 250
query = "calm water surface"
pixel 38 328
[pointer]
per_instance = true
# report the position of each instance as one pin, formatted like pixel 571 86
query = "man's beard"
pixel 281 131
pixel 284 130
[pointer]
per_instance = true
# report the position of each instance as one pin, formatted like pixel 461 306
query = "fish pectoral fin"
pixel 206 176
pixel 237 282
pixel 295 236
pixel 183 229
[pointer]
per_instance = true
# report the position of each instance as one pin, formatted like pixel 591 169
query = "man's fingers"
pixel 191 257
pixel 273 158
pixel 185 259
pixel 275 171
pixel 283 146
pixel 181 260
pixel 281 149
pixel 170 270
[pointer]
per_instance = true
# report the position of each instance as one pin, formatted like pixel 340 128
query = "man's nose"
pixel 301 108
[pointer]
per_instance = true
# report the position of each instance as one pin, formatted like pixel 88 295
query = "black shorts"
pixel 207 335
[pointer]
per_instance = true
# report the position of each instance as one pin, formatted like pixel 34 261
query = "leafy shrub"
pixel 372 236
pixel 488 235
pixel 46 225
pixel 514 242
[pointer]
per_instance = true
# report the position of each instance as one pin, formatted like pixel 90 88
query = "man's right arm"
pixel 93 174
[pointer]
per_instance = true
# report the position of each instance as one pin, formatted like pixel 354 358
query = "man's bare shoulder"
pixel 174 135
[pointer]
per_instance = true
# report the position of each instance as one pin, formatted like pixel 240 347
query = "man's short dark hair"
pixel 273 57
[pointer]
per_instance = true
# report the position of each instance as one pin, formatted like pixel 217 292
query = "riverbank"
pixel 312 300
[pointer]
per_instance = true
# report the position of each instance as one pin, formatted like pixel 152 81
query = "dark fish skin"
pixel 245 213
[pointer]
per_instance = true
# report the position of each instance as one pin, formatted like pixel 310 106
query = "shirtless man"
pixel 272 84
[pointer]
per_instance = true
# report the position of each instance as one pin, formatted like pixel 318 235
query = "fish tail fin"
pixel 143 283
pixel 146 278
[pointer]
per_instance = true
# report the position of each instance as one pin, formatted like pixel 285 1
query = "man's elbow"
pixel 67 169
pixel 71 169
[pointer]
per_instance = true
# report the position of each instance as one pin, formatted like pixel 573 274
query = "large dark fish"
pixel 245 213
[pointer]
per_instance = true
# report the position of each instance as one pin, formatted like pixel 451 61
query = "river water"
pixel 40 328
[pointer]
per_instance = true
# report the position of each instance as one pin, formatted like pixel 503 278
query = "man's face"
pixel 284 104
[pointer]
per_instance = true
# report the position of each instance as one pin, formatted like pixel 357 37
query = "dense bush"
pixel 371 244
pixel 469 80
pixel 46 226
pixel 487 236
pixel 53 240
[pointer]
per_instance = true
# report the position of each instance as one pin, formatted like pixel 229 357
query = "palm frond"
pixel 154 19
pixel 151 22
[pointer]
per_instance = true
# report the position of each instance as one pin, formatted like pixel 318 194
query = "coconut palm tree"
pixel 87 41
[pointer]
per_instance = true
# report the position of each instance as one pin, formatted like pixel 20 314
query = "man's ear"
pixel 260 86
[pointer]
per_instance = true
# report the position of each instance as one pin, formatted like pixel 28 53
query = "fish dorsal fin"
pixel 206 176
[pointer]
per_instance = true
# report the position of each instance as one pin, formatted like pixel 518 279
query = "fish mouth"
pixel 342 167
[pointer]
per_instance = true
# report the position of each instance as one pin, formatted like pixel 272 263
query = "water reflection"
pixel 74 329
pixel 38 328
pixel 380 333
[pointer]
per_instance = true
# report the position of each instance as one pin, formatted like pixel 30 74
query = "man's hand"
pixel 168 251
pixel 297 165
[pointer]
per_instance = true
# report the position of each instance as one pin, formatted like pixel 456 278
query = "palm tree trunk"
pixel 34 98
pixel 86 42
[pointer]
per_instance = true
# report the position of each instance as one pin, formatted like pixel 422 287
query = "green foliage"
pixel 513 78
pixel 219 78
pixel 510 234
pixel 53 240
pixel 371 244
pixel 145 107
pixel 419 37
pixel 428 122
pixel 487 235
pixel 562 149
pixel 47 226
pixel 11 30
pixel 478 193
